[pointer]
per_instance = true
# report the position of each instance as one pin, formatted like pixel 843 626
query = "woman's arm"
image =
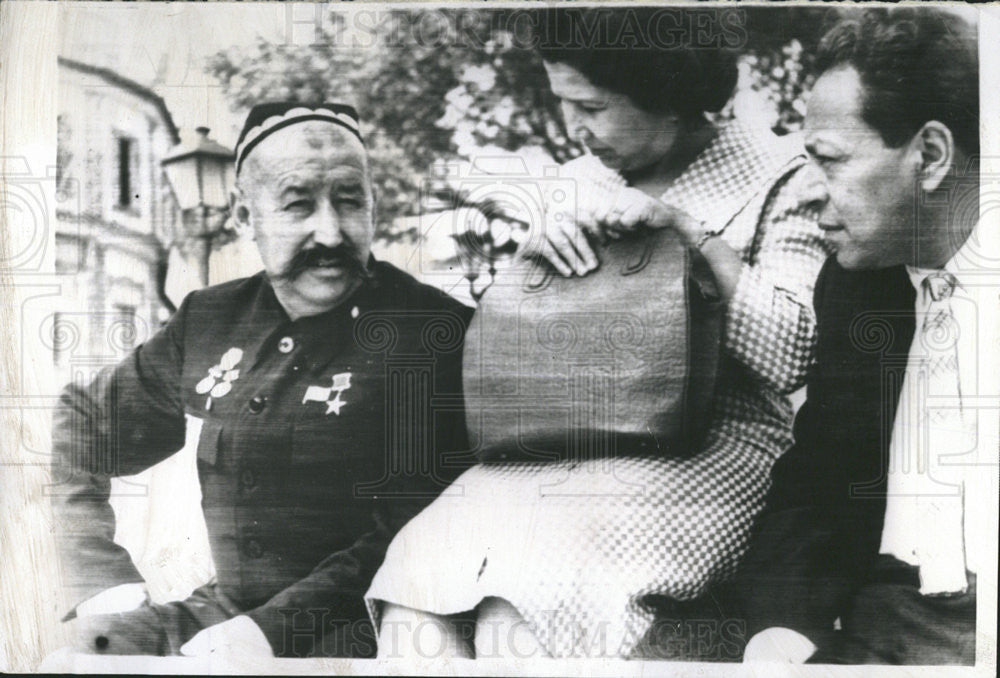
pixel 770 325
pixel 770 322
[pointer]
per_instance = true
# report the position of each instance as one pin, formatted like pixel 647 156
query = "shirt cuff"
pixel 118 599
pixel 779 644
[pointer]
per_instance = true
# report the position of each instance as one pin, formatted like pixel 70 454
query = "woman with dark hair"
pixel 567 573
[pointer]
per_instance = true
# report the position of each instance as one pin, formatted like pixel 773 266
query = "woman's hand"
pixel 562 241
pixel 633 208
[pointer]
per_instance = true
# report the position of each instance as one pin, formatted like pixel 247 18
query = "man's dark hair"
pixel 662 59
pixel 916 64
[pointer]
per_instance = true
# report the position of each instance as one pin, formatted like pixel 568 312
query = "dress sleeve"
pixel 127 419
pixel 770 322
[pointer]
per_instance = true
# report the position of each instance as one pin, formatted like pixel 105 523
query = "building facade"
pixel 115 219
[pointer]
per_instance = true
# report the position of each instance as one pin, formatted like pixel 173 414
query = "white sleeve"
pixel 778 644
pixel 122 598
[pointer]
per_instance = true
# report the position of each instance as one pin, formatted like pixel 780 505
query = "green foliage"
pixel 781 44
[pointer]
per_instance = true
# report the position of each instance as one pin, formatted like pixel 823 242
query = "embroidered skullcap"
pixel 266 119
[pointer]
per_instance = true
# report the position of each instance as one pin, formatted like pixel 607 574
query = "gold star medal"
pixel 331 395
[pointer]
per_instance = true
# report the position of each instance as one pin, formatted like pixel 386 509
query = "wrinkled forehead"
pixel 314 146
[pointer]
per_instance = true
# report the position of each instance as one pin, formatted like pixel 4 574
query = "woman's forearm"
pixel 725 263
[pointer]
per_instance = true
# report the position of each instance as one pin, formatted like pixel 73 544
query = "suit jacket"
pixel 316 439
pixel 820 533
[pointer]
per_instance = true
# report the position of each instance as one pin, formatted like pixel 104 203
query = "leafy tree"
pixel 409 91
pixel 444 85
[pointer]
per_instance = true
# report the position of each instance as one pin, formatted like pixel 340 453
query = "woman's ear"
pixel 937 153
pixel 240 213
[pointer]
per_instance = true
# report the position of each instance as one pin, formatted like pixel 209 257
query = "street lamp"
pixel 200 175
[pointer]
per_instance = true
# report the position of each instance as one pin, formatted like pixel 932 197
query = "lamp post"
pixel 200 175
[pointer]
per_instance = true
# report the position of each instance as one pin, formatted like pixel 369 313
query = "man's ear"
pixel 937 153
pixel 240 213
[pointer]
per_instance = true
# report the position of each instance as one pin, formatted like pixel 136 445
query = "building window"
pixel 71 254
pixel 127 175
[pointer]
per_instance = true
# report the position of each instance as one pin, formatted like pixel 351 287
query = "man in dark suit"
pixel 869 547
pixel 308 394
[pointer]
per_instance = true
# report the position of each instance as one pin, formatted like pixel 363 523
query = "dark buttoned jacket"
pixel 819 536
pixel 316 439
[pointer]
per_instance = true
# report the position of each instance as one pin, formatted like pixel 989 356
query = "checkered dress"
pixel 576 546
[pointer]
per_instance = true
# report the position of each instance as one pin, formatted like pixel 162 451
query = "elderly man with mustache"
pixel 311 393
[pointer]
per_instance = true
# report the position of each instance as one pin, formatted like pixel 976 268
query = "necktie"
pixel 944 433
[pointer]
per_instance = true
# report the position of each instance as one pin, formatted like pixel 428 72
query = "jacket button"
pixel 253 549
pixel 257 404
pixel 248 479
pixel 286 344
